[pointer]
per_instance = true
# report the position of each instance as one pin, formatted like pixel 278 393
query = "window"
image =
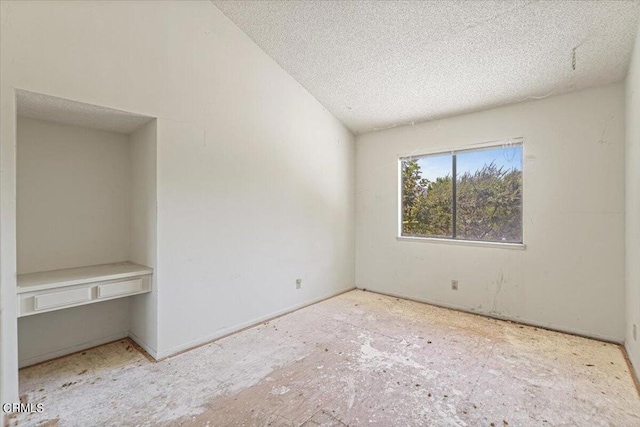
pixel 482 203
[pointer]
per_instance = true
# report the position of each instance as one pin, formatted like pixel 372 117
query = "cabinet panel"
pixel 60 299
pixel 119 288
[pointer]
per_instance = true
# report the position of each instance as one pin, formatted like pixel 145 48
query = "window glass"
pixel 427 196
pixel 489 194
pixel 483 203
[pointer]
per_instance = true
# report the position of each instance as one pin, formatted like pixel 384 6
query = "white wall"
pixel 144 227
pixel 255 178
pixel 571 275
pixel 633 208
pixel 73 188
pixel 54 334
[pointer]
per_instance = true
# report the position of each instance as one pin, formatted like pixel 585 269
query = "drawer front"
pixel 110 290
pixel 61 299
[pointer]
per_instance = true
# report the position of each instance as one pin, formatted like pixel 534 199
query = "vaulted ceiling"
pixel 377 64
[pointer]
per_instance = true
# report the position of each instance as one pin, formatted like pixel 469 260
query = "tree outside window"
pixel 483 203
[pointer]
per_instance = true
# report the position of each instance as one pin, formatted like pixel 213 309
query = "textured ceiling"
pixel 376 64
pixel 59 110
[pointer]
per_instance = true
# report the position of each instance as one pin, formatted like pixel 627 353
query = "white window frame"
pixel 449 240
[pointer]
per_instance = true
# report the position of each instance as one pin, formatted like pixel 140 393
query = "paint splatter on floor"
pixel 356 359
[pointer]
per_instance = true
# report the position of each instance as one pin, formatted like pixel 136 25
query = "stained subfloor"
pixel 356 359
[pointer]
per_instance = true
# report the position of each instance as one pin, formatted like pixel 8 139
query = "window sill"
pixel 497 245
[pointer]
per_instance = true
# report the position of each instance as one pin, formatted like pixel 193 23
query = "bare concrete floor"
pixel 356 359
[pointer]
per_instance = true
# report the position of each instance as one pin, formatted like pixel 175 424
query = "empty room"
pixel 319 213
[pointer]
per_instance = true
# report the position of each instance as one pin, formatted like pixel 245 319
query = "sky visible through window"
pixel 436 166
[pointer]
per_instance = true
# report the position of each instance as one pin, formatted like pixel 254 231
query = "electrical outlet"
pixel 298 283
pixel 454 285
pixel 635 332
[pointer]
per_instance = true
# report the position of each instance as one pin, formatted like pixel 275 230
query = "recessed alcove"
pixel 85 226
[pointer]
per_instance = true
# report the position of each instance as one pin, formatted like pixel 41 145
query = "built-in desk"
pixel 59 289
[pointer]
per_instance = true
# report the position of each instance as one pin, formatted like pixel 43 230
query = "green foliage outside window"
pixel 488 203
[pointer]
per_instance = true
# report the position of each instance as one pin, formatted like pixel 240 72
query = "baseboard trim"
pixel 634 373
pixel 517 320
pixel 144 348
pixel 243 326
pixel 47 357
